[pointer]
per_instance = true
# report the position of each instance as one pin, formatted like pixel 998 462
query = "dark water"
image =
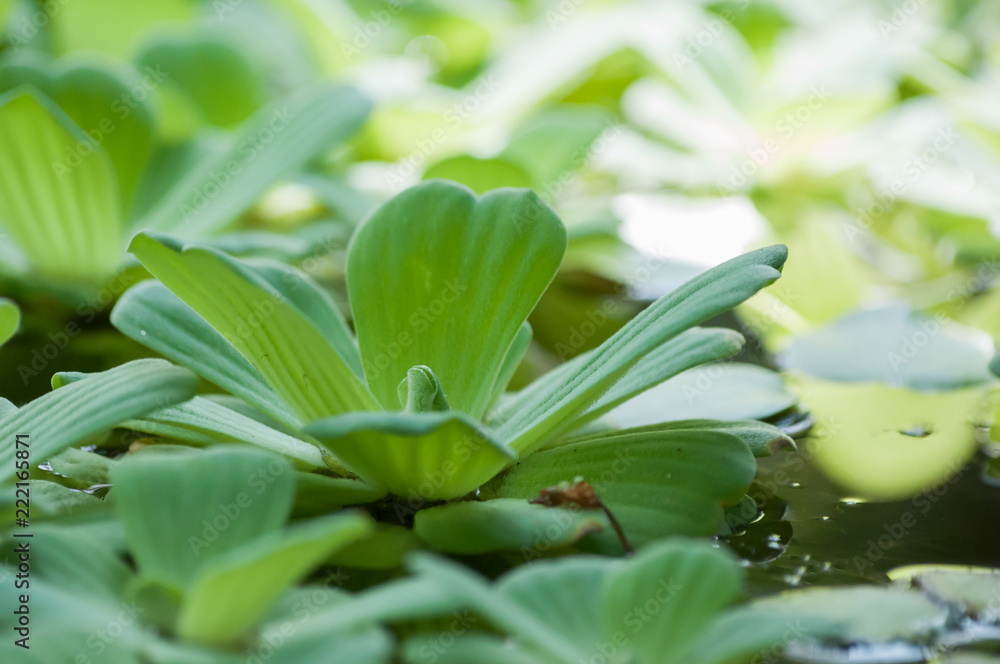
pixel 812 533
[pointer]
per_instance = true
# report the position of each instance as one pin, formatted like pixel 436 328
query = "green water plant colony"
pixel 393 449
pixel 281 390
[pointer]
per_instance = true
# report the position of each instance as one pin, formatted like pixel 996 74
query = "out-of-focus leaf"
pixel 65 216
pixel 234 590
pixel 723 391
pixel 271 145
pixel 895 346
pixel 220 80
pixel 233 495
pixel 10 320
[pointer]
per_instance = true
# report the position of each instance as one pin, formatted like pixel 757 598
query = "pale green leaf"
pixel 218 77
pixel 10 320
pixel 66 217
pixel 680 586
pixel 730 390
pixel 272 144
pixel 108 102
pixel 232 495
pixel 234 590
pixel 656 483
pixel 204 422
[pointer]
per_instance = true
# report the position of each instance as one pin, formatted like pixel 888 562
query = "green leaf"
pixel 502 611
pixel 689 349
pixel 433 282
pixel 656 483
pixel 723 391
pixel 66 218
pixel 315 305
pixel 885 443
pixel 204 422
pixel 710 293
pixel 479 175
pixel 91 405
pixel 471 647
pixel 234 590
pixel 271 145
pixel 232 496
pixel 87 467
pixel 428 456
pixel 515 354
pixel 156 318
pixel 862 614
pixel 896 346
pixel 472 527
pixel 556 141
pixel 746 631
pixel 972 590
pixel 293 357
pixel 220 80
pixel 73 561
pixel 565 595
pixel 109 103
pixel 762 439
pixel 10 320
pixel 667 594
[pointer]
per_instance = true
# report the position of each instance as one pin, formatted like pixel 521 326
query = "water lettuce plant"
pixel 213 560
pixel 83 165
pixel 440 285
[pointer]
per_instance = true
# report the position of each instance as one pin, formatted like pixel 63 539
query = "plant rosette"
pixel 414 406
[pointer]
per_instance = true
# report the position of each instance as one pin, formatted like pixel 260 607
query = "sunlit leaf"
pixel 66 217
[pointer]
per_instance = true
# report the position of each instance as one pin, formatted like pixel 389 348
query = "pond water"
pixel 812 532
